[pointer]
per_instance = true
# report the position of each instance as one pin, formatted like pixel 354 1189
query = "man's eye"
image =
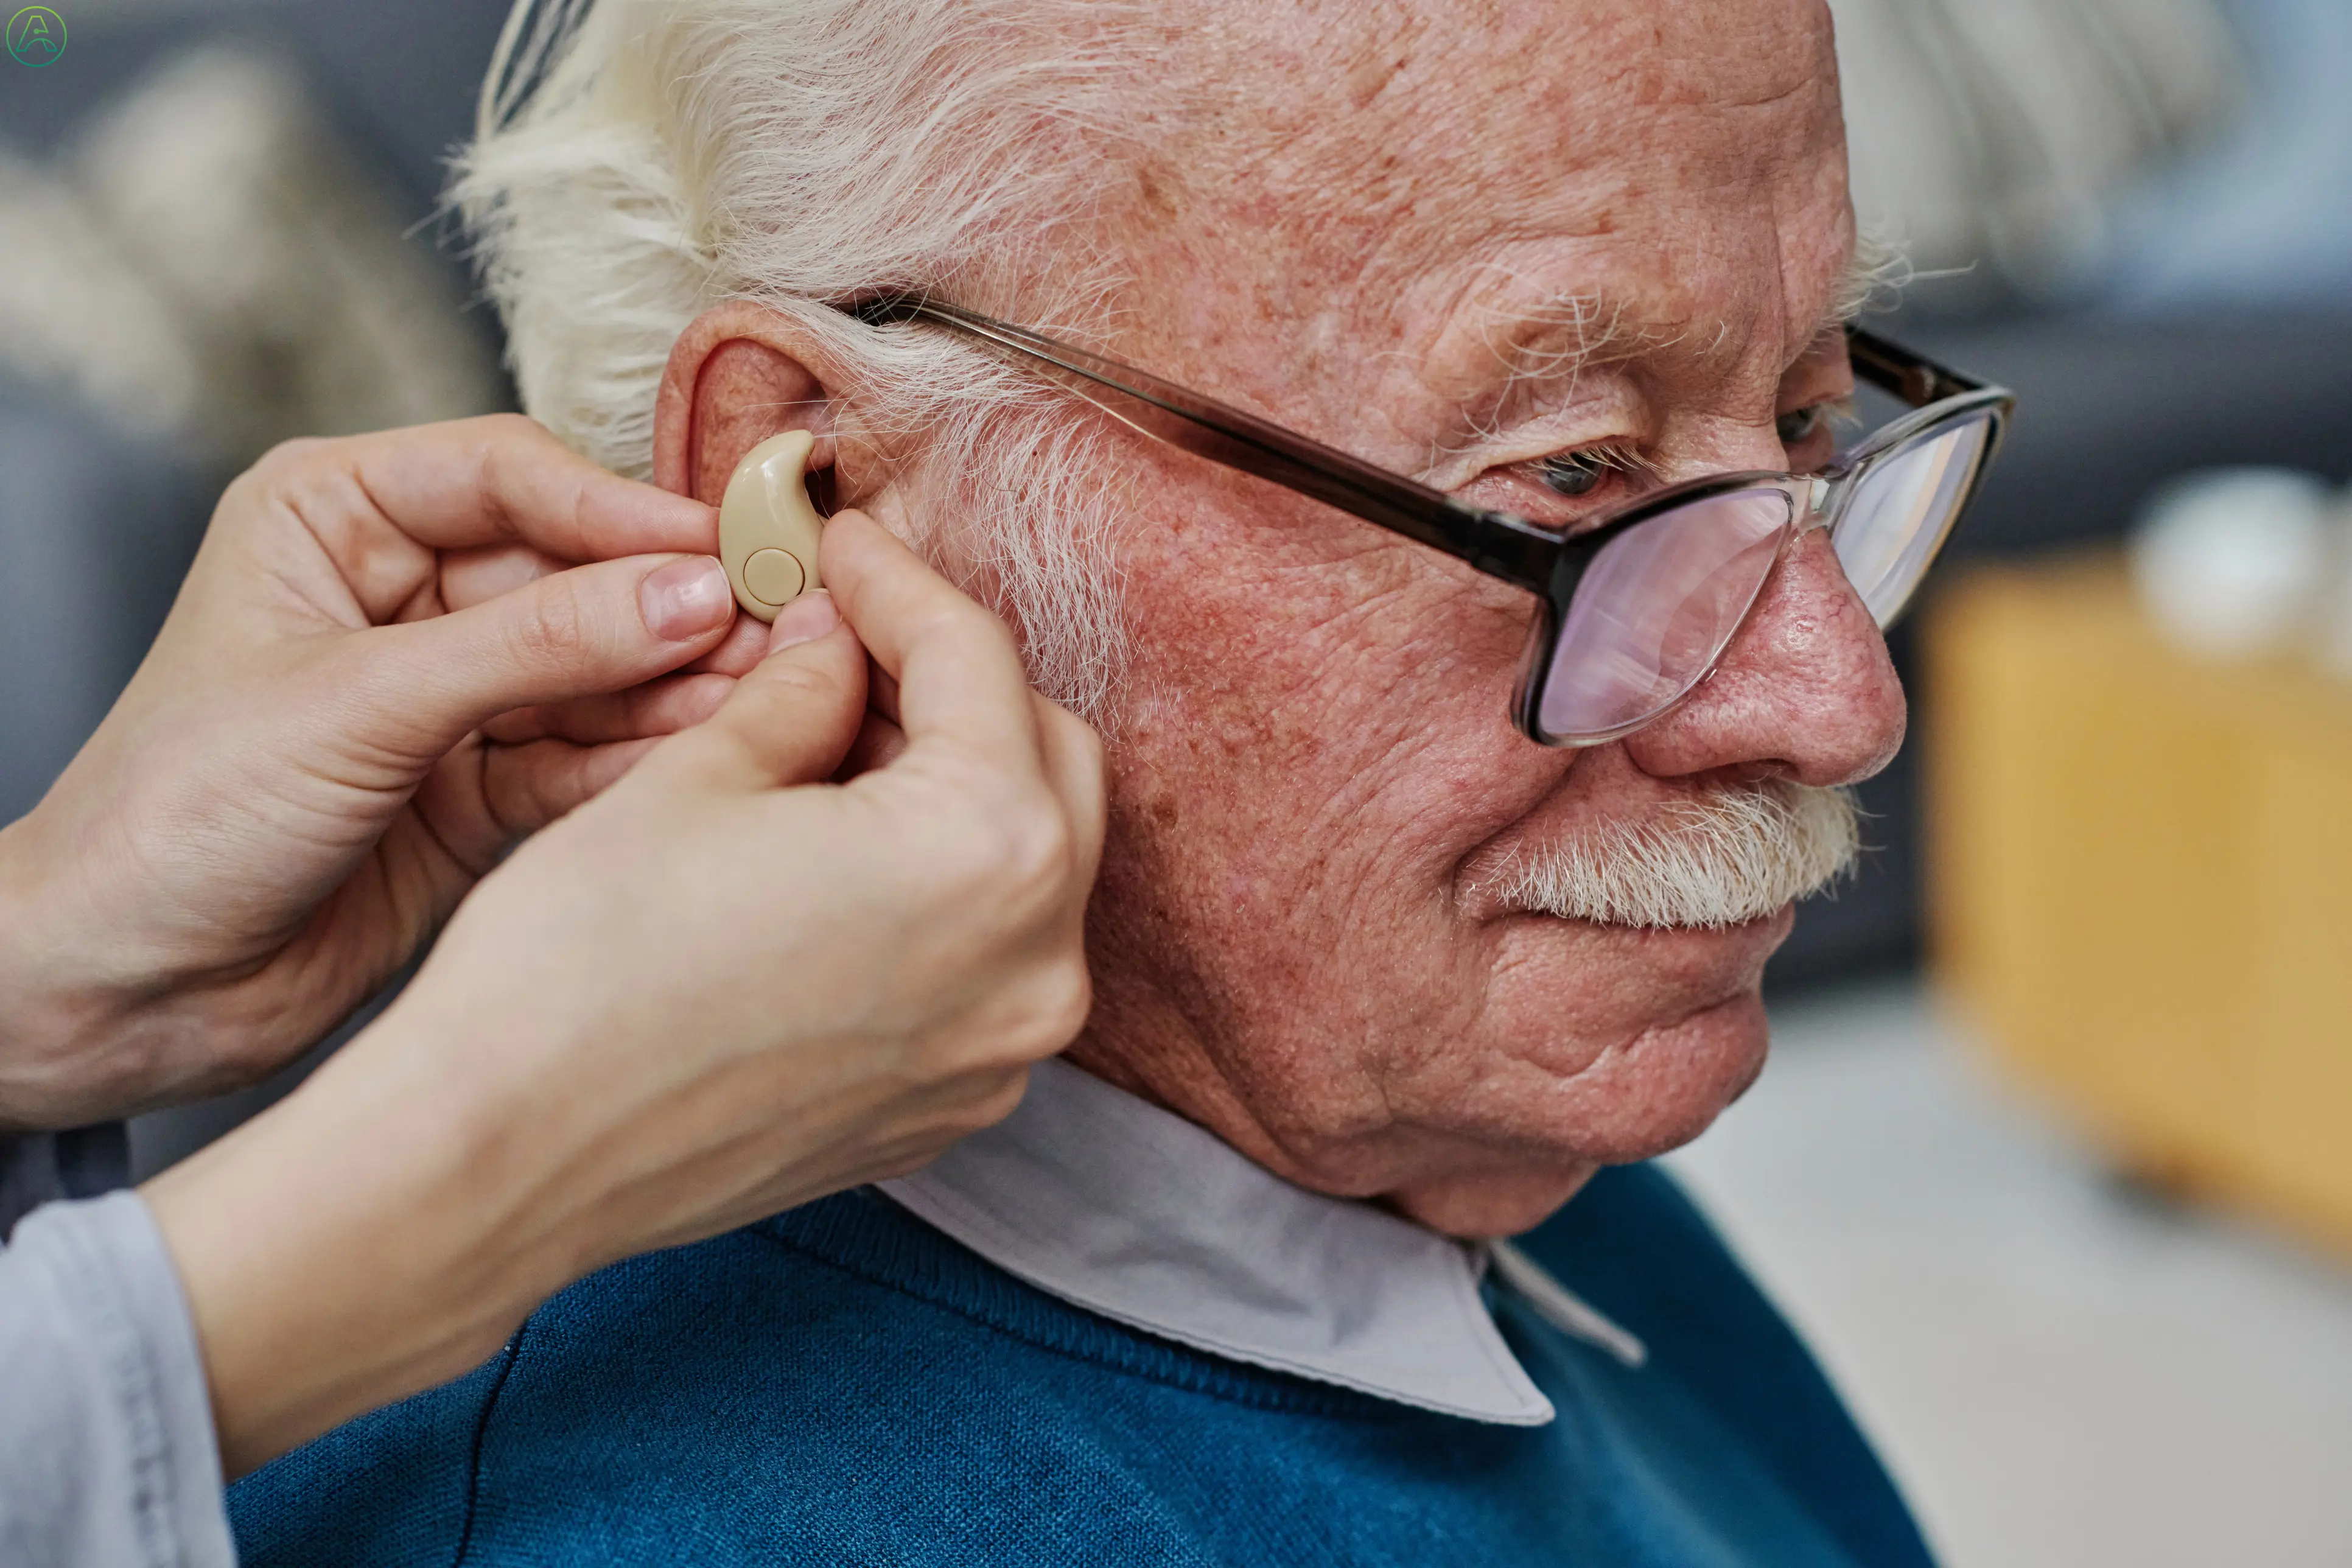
pixel 1574 473
pixel 1799 426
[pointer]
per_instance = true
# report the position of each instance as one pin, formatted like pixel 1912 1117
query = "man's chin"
pixel 1648 1097
pixel 1667 1085
pixel 1673 1024
pixel 1652 1095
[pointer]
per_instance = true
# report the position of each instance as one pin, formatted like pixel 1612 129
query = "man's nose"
pixel 1805 691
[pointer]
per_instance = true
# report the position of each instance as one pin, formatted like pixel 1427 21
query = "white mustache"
pixel 1731 858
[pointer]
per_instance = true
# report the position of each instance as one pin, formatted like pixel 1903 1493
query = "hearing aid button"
pixel 775 576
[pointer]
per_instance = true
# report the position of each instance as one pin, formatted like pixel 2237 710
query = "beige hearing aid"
pixel 767 529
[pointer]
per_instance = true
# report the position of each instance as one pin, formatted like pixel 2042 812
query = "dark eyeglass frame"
pixel 1501 544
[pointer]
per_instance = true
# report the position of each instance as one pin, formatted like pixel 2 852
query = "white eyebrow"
pixel 1550 335
pixel 1556 335
pixel 1559 335
pixel 1537 334
pixel 1875 275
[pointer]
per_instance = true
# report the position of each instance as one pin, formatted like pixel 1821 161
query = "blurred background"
pixel 2054 1162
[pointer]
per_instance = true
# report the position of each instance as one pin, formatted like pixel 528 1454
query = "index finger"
pixel 504 479
pixel 956 671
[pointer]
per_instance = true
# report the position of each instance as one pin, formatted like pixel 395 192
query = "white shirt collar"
pixel 1094 1196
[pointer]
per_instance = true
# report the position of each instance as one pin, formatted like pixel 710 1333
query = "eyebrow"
pixel 1557 336
pixel 1562 334
pixel 1876 267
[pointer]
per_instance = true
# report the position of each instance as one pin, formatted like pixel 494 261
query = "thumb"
pixel 581 633
pixel 791 720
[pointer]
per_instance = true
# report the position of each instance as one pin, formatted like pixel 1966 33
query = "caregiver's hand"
pixel 722 988
pixel 295 789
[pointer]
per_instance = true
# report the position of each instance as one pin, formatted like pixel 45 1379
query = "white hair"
pixel 637 162
pixel 1724 858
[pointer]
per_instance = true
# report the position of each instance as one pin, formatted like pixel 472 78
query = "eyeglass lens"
pixel 1659 603
pixel 1902 508
pixel 1654 609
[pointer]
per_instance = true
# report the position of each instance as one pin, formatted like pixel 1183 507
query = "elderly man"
pixel 1378 978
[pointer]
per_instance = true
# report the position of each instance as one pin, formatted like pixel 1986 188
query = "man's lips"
pixel 1714 963
pixel 1778 924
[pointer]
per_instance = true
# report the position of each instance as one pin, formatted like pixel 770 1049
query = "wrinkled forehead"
pixel 1671 171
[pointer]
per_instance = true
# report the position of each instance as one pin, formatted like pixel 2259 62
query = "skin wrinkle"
pixel 301 595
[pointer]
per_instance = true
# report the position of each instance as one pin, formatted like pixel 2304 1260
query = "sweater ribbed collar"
pixel 1115 1205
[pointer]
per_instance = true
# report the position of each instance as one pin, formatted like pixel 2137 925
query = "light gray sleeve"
pixel 106 1453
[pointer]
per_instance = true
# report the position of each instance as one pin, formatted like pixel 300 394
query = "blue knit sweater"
pixel 844 1384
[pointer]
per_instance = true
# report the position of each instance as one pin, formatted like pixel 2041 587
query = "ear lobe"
pixel 730 385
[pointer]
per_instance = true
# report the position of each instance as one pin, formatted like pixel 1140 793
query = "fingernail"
pixel 686 598
pixel 805 619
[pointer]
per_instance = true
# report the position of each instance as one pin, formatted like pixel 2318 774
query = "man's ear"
pixel 734 379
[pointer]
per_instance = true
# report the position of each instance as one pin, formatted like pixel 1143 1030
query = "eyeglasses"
pixel 1638 605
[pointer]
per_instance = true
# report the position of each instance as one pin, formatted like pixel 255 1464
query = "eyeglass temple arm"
pixel 1494 542
pixel 1915 379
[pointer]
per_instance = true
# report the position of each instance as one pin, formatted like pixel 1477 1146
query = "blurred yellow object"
pixel 2141 864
